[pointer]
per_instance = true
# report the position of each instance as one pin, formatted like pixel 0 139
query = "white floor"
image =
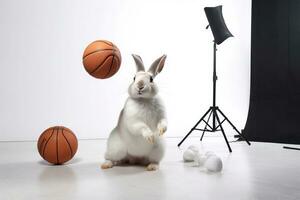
pixel 261 171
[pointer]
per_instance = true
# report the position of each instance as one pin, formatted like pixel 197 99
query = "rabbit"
pixel 137 138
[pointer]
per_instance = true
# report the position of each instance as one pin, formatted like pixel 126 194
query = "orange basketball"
pixel 102 59
pixel 57 145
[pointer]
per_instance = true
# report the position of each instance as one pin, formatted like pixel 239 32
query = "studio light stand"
pixel 220 33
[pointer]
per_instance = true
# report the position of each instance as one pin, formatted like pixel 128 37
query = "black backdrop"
pixel 274 112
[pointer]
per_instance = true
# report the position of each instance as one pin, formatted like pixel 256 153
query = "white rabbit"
pixel 137 138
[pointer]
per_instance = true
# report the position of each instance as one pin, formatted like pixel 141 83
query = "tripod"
pixel 214 112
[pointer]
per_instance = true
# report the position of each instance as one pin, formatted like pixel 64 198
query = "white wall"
pixel 43 82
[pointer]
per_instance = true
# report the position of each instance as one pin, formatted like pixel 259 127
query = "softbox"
pixel 217 24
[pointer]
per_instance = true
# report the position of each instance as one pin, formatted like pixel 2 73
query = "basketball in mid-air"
pixel 102 59
pixel 57 145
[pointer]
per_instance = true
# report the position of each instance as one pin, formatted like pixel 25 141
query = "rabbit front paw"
pixel 148 135
pixel 162 128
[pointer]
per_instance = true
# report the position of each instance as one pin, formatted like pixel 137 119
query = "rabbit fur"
pixel 137 138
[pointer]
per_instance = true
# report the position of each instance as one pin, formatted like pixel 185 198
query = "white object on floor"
pixel 213 163
pixel 189 155
pixel 209 160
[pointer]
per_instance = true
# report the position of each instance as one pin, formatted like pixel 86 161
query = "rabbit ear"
pixel 139 63
pixel 158 65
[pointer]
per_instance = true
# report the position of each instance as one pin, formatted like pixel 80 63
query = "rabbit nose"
pixel 140 85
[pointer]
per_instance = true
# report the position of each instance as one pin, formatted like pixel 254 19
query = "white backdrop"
pixel 43 82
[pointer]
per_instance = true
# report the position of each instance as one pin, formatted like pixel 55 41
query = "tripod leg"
pixel 233 126
pixel 206 126
pixel 194 127
pixel 222 130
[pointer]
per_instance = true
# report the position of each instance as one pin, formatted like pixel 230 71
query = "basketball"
pixel 57 145
pixel 102 59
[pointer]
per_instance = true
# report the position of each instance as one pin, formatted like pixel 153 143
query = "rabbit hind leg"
pixel 116 150
pixel 155 157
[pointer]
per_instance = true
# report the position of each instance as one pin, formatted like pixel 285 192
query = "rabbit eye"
pixel 151 79
pixel 133 78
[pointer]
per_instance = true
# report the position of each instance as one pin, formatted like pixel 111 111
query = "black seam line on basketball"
pixel 41 144
pixel 112 62
pixel 47 143
pixel 99 66
pixel 113 59
pixel 118 60
pixel 119 63
pixel 68 143
pixel 74 136
pixel 116 49
pixel 70 131
pixel 43 141
pixel 96 52
pixel 57 160
pixel 104 41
